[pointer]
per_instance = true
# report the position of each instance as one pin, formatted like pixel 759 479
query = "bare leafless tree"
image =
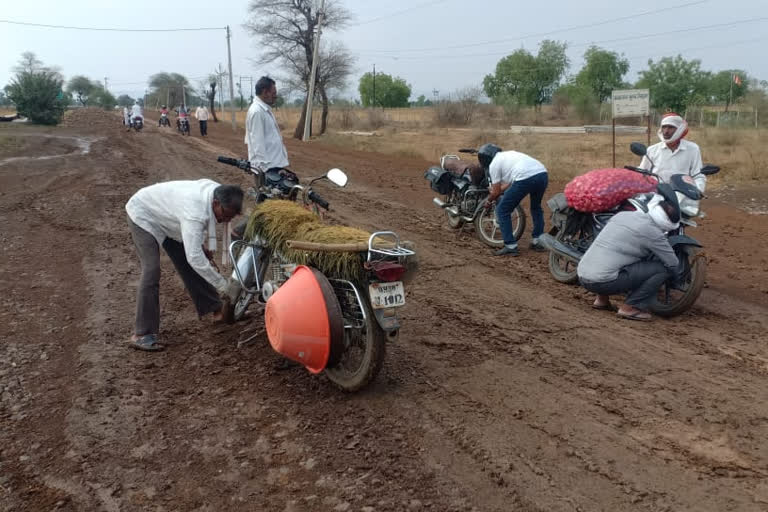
pixel 286 32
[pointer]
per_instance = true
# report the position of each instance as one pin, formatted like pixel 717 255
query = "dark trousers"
pixel 203 294
pixel 204 128
pixel 535 186
pixel 641 281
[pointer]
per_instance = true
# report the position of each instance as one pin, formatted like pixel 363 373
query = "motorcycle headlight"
pixel 688 207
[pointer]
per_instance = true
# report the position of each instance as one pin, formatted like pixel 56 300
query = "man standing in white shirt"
pixel 262 134
pixel 515 175
pixel 201 114
pixel 674 155
pixel 180 216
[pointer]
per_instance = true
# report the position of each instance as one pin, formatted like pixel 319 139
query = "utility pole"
pixel 105 84
pixel 313 73
pixel 183 96
pixel 231 82
pixel 373 103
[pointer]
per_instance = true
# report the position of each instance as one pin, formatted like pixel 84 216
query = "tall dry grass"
pixel 740 153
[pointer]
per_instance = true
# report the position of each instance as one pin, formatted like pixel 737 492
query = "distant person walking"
pixel 201 114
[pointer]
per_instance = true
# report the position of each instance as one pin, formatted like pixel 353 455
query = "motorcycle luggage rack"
pixel 394 251
pixel 448 157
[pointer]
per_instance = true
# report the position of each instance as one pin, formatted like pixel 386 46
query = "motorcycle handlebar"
pixel 242 164
pixel 322 203
pixel 637 169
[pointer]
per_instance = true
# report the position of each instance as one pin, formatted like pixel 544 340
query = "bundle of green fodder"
pixel 279 221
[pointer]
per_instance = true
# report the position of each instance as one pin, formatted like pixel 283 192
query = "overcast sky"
pixel 439 45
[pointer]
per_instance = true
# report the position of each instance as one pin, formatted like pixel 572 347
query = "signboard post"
pixel 630 103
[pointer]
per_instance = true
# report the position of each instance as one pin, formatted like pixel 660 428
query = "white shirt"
pixel 135 111
pixel 181 211
pixel 262 135
pixel 201 114
pixel 511 166
pixel 686 159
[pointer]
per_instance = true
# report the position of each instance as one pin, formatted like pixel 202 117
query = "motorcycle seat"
pixel 460 168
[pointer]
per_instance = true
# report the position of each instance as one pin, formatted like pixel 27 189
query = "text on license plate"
pixel 387 295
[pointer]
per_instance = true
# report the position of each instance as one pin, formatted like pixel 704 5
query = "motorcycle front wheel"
pixel 489 231
pixel 363 357
pixel 673 301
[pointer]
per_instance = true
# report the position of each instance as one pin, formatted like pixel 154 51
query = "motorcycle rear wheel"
pixel 363 357
pixel 680 301
pixel 562 269
pixel 488 230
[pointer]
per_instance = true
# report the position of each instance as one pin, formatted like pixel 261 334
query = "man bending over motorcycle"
pixel 632 255
pixel 514 175
pixel 180 216
pixel 674 155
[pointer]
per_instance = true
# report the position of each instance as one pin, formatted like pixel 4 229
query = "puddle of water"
pixel 83 145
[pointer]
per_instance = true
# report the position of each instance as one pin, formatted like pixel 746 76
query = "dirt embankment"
pixel 504 392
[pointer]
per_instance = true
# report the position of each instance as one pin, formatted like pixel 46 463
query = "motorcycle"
pixel 164 121
pixel 573 232
pixel 137 123
pixel 464 186
pixel 368 306
pixel 182 125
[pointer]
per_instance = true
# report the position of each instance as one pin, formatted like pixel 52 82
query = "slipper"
pixel 605 307
pixel 638 316
pixel 147 343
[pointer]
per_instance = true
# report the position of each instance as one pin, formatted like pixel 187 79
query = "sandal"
pixel 605 307
pixel 639 316
pixel 147 343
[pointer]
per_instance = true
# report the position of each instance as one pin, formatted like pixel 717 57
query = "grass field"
pixel 741 153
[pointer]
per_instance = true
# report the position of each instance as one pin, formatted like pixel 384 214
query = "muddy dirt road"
pixel 506 391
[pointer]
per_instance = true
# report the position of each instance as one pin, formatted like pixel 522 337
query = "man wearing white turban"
pixel 674 155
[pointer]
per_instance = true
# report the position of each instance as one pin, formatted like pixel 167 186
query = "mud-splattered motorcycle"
pixel 464 186
pixel 366 306
pixel 573 232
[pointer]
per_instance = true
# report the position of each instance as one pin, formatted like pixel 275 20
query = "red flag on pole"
pixel 736 79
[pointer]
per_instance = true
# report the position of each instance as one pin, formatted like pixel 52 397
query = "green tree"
pixel 603 72
pixel 391 92
pixel 525 79
pixel 168 89
pixel 82 87
pixel 103 98
pixel 580 98
pixel 723 87
pixel 124 100
pixel 422 101
pixel 675 83
pixel 38 95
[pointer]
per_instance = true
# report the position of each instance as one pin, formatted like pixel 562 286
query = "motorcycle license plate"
pixel 387 295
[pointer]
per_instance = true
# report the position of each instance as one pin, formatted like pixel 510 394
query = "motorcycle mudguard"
pixel 676 240
pixel 388 323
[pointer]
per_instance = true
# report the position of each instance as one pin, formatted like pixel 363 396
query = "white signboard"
pixel 630 102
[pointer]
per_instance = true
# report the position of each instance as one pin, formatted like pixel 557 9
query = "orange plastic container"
pixel 303 319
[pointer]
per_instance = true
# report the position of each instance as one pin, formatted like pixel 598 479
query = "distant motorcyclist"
pixel 674 155
pixel 618 260
pixel 163 115
pixel 136 111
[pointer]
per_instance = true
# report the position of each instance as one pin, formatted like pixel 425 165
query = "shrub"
pixel 38 96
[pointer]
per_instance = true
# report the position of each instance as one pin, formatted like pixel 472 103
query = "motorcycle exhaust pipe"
pixel 560 248
pixel 450 209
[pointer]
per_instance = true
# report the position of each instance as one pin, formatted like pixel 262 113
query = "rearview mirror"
pixel 638 148
pixel 337 177
pixel 709 170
